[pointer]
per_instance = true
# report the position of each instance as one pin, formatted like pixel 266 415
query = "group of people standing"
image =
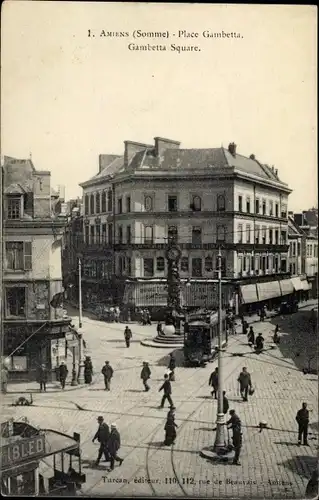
pixel 144 317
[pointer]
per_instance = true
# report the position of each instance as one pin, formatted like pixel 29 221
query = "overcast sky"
pixel 67 97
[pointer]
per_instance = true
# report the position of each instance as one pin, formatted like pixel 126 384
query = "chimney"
pixel 130 148
pixel 162 144
pixel 232 148
pixel 252 157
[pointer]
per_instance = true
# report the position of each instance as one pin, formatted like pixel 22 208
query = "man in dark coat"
pixel 63 373
pixel 159 328
pixel 171 367
pixel 88 370
pixel 102 435
pixel 43 377
pixel 145 375
pixel 235 424
pixel 113 445
pixel 170 428
pixel 259 342
pixel 167 388
pixel 213 381
pixel 225 403
pixel 127 336
pixel 107 372
pixel 302 418
pixel 245 384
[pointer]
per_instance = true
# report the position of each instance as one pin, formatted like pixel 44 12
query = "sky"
pixel 68 97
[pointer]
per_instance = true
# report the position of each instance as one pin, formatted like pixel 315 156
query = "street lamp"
pixel 80 293
pixel 81 360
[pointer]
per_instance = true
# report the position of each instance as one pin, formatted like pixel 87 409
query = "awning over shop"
pixel 297 283
pixel 286 287
pixel 57 442
pixel 305 285
pixel 249 294
pixel 268 290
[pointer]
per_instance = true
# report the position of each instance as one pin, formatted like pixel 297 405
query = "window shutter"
pixel 27 255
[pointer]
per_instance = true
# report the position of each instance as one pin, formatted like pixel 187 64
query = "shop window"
pixel 19 255
pixel 172 233
pixel 160 264
pixel 103 208
pixel 16 302
pixel 109 200
pixel 14 207
pixel 221 204
pixel 97 203
pixel 148 268
pixel 184 264
pixel 196 236
pixel 148 203
pixel 209 264
pixel 196 204
pixel 196 267
pixel 172 203
pixel 92 204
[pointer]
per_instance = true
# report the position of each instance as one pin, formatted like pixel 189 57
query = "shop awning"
pixel 268 290
pixel 249 294
pixel 57 442
pixel 305 285
pixel 297 283
pixel 286 287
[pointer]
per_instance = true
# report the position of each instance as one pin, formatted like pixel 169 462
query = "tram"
pixel 201 337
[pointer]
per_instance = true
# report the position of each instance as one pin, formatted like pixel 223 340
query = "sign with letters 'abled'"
pixel 22 449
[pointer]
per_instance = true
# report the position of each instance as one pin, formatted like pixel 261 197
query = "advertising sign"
pixel 21 450
pixel 201 295
pixel 151 294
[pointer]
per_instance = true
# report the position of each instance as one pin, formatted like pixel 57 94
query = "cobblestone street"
pixel 273 466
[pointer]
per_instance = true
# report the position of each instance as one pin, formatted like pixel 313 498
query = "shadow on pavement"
pixel 179 358
pixel 303 465
pixel 135 390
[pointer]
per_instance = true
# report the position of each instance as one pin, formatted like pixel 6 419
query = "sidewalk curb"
pixel 54 390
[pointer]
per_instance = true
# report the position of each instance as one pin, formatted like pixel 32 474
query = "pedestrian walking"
pixel 159 328
pixel 4 380
pixel 244 380
pixel 302 418
pixel 276 337
pixel 171 367
pixel 262 314
pixel 259 342
pixel 42 377
pixel 63 373
pixel 146 375
pixel 167 388
pixel 127 336
pixel 245 327
pixel 102 435
pixel 234 423
pixel 251 337
pixel 170 428
pixel 107 372
pixel 213 381
pixel 113 445
pixel 88 370
pixel 225 403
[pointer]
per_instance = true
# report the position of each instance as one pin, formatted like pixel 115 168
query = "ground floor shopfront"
pixel 27 345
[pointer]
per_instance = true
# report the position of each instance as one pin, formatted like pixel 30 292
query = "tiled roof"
pixel 113 167
pixel 17 188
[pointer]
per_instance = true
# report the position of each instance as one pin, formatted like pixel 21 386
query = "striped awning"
pixel 249 294
pixel 268 290
pixel 297 283
pixel 286 287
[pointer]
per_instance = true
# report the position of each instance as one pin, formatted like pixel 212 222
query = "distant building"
pixel 33 314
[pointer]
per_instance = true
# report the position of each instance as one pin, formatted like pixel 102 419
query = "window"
pixel 128 203
pixel 92 204
pixel 15 255
pixel 263 264
pixel 276 236
pixel 97 203
pixel 120 234
pixel 252 262
pixel 267 262
pixel 184 264
pixel 160 264
pixel 264 207
pixel 299 248
pixel 257 206
pixel 148 234
pixel 248 205
pixel 148 267
pixel 14 207
pixel 257 236
pixel 119 206
pixel 103 208
pixel 209 264
pixel 98 233
pixel 196 267
pixel 129 266
pixel 270 237
pixel 148 203
pixel 248 233
pixel 220 203
pixel 240 203
pixel 283 237
pixel 172 233
pixel 196 236
pixel 271 208
pixel 16 302
pixel 244 262
pixel 264 235
pixel 87 234
pixel 310 250
pixel 294 249
pixel 196 204
pixel 109 200
pixel 86 204
pixel 128 234
pixel 121 265
pixel 283 266
pixel 240 233
pixel 276 210
pixel 284 212
pixel 110 234
pixel 103 233
pixel 221 233
pixel 276 263
pixel 172 203
pixel 92 235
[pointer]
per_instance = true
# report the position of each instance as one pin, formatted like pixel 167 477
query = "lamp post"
pixel 74 374
pixel 81 361
pixel 80 293
pixel 173 255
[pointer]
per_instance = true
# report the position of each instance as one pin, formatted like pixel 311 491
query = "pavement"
pixel 273 466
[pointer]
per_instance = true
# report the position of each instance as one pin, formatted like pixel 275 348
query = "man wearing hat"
pixel 107 372
pixel 102 435
pixel 113 445
pixel 145 375
pixel 237 434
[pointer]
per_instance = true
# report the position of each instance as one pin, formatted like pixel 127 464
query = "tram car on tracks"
pixel 201 337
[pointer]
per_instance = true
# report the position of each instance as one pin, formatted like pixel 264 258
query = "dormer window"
pixel 14 207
